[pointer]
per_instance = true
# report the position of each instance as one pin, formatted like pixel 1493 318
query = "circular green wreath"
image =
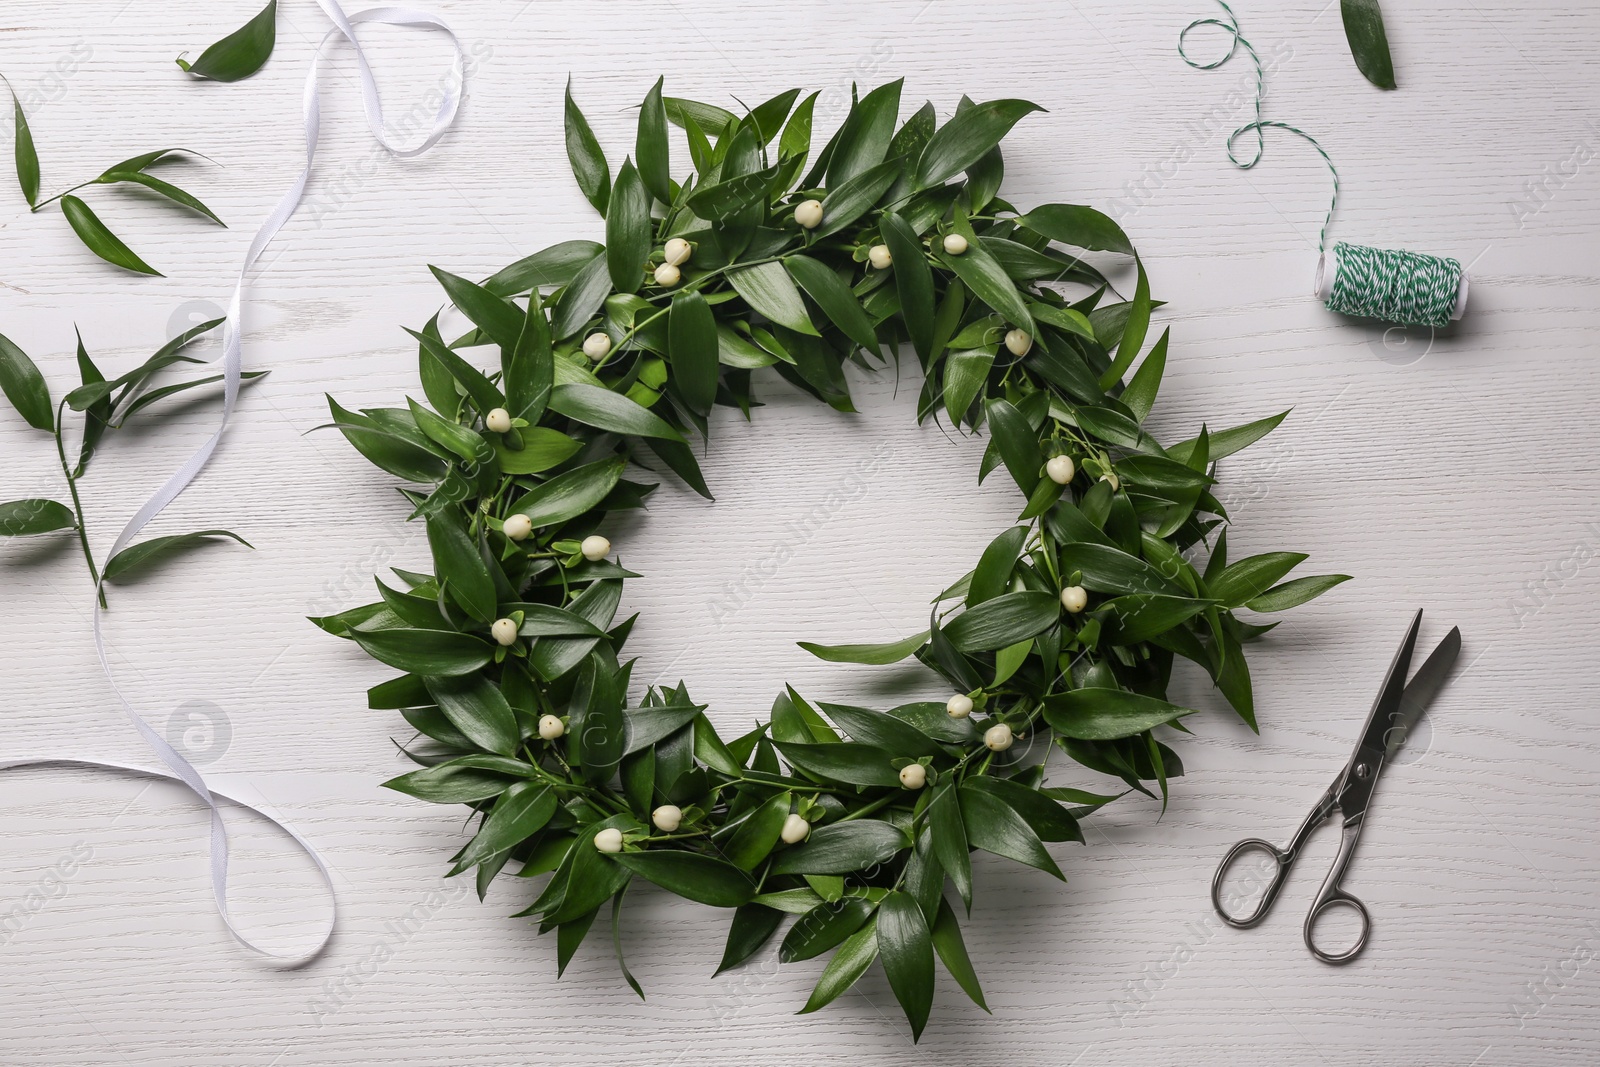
pixel 1067 628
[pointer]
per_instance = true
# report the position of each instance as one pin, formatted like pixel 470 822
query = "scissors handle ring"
pixel 1281 858
pixel 1337 898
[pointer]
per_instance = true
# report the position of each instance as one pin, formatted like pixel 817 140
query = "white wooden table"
pixel 1454 473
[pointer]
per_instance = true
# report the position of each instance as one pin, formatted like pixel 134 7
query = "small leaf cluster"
pixel 130 173
pixel 515 677
pixel 105 404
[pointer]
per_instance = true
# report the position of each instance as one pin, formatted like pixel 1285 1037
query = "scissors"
pixel 1398 707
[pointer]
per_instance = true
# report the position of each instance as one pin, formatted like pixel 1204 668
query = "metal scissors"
pixel 1398 707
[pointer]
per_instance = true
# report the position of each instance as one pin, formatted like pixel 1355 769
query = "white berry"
pixel 1074 598
pixel 959 706
pixel 667 276
pixel 677 252
pixel 1061 469
pixel 998 737
pixel 594 548
pixel 517 527
pixel 809 214
pixel 913 776
pixel 955 244
pixel 597 345
pixel 504 631
pixel 794 829
pixel 878 256
pixel 498 420
pixel 551 727
pixel 608 840
pixel 667 818
pixel 1018 342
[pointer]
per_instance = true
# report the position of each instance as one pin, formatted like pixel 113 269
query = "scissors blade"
pixel 1389 696
pixel 1420 691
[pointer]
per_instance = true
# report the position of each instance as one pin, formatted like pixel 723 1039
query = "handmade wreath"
pixel 1068 626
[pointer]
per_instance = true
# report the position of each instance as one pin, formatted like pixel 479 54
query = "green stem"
pixel 77 506
pixel 877 805
pixel 64 192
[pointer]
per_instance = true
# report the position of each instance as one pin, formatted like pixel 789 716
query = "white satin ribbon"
pixel 178 767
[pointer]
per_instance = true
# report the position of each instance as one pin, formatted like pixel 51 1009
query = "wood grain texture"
pixel 1454 472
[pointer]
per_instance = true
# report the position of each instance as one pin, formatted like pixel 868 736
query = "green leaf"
pixel 1225 443
pixel 752 926
pixel 160 188
pixel 907 951
pixel 877 655
pixel 599 729
pixel 883 732
pixel 25 387
pixel 1142 616
pixel 461 781
pixel 485 395
pixel 583 297
pixel 693 350
pixel 572 493
pixel 241 53
pixel 498 317
pixel 913 281
pixel 1080 227
pixel 1017 443
pixel 835 299
pixel 823 927
pixel 522 811
pixel 846 967
pixel 1099 714
pixel 20 518
pixel 628 230
pixel 767 118
pixel 703 879
pixel 1048 819
pixel 400 456
pixel 587 159
pixel 605 410
pixel 475 706
pixel 542 448
pixel 1132 333
pixel 730 200
pixel 950 838
pixel 848 201
pixel 967 137
pixel 768 289
pixel 964 375
pixel 158 550
pixel 1253 576
pixel 864 138
pixel 953 951
pixel 1003 621
pixel 432 653
pixel 650 147
pixel 556 265
pixel 101 241
pixel 844 761
pixel 992 576
pixel 1293 594
pixel 993 826
pixel 706 116
pixel 1110 570
pixel 758 835
pixel 459 564
pixel 1369 43
pixel 842 848
pixel 1140 395
pixel 24 152
pixel 989 282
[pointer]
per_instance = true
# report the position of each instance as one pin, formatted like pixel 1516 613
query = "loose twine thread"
pixel 1409 288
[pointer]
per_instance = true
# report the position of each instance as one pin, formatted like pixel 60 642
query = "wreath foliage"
pixel 767 255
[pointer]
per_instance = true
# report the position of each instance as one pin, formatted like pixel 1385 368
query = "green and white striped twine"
pixel 1409 288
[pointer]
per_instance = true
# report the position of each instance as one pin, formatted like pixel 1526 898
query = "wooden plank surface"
pixel 1454 472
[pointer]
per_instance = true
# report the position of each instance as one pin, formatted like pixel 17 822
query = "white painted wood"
pixel 1456 474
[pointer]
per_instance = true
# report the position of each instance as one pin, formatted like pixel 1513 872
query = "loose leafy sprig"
pixel 1065 631
pixel 239 54
pixel 105 404
pixel 90 229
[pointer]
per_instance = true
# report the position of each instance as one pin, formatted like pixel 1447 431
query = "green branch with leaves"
pixel 611 357
pixel 105 404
